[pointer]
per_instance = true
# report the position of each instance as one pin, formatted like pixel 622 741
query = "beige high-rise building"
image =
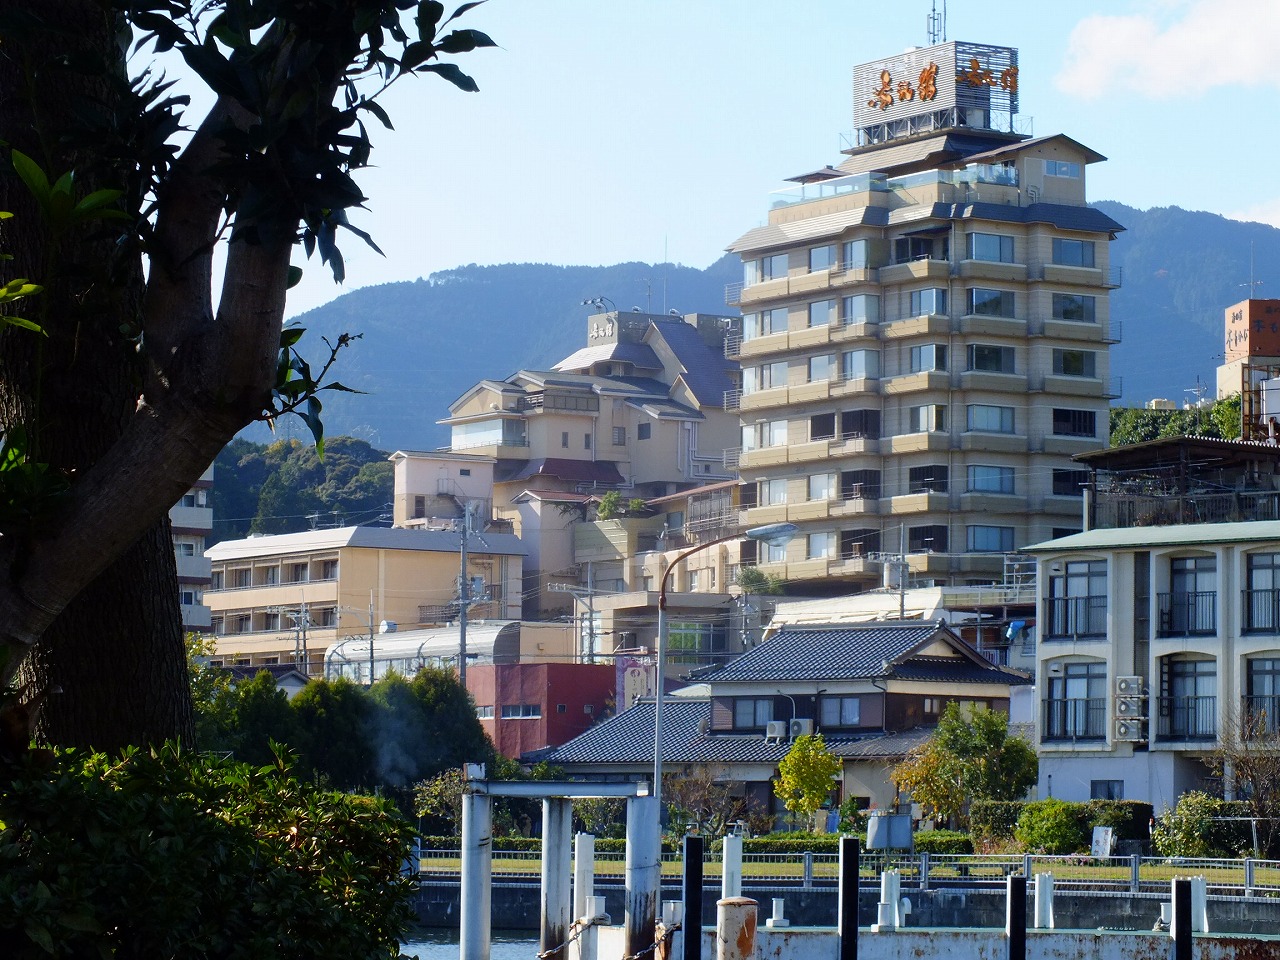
pixel 925 333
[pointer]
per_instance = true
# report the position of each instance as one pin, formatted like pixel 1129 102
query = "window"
pixel 994 247
pixel 928 479
pixel 586 445
pixel 184 548
pixel 243 577
pixel 822 368
pixel 824 313
pixel 985 418
pixel 839 711
pixel 822 258
pixel 297 573
pixel 987 539
pixel 1069 483
pixel 1076 601
pixel 775 552
pixel 1076 707
pixel 771 433
pixel 821 545
pixel 1074 306
pixel 991 359
pixel 855 254
pixel 860 365
pixel 1072 253
pixel 928 356
pixel 930 301
pixel 859 424
pixel 419 507
pixel 1067 168
pixel 1074 363
pixel 564 439
pixel 562 708
pixel 619 436
pixel 822 426
pixel 466 471
pixel 773 492
pixel 822 486
pixel 984 479
pixel 764 323
pixel 1262 701
pixel 771 268
pixel 216 579
pixel 188 597
pixel 858 543
pixel 984 302
pixel 860 485
pixel 751 712
pixel 931 538
pixel 1262 594
pixel 1075 423
pixel 329 570
pixel 861 308
pixel 271 621
pixel 485 712
pixel 326 617
pixel 764 377
pixel 1059 532
pixel 521 711
pixel 643 431
pixel 1189 608
pixel 1106 789
pixel 907 249
pixel 1188 702
pixel 929 417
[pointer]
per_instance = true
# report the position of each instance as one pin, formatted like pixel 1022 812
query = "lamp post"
pixel 773 534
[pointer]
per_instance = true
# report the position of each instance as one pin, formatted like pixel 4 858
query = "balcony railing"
pixel 1188 614
pixel 1261 716
pixel 1075 719
pixel 1075 618
pixel 1187 718
pixel 732 399
pixel 733 293
pixel 1261 611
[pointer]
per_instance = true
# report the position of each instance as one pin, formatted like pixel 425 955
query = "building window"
pixel 764 323
pixel 985 418
pixel 993 247
pixel 775 553
pixel 1189 608
pixel 1070 483
pixel 990 359
pixel 931 538
pixel 986 539
pixel 927 418
pixel 907 249
pixel 839 712
pixel 521 711
pixel 297 573
pixel 329 570
pixel 928 356
pixel 855 254
pixel 1072 253
pixel 824 313
pixel 326 617
pixel 1074 363
pixel 822 486
pixel 773 492
pixel 985 479
pixel 1188 703
pixel 1106 789
pixel 861 308
pixel 771 268
pixel 984 302
pixel 822 426
pixel 771 433
pixel 184 548
pixel 1262 699
pixel 1067 168
pixel 1075 307
pixel 586 443
pixel 1060 532
pixel 419 507
pixel 241 577
pixel 860 485
pixel 188 598
pixel 466 471
pixel 860 365
pixel 859 424
pixel 643 431
pixel 822 258
pixel 564 439
pixel 822 368
pixel 928 479
pixel 927 302
pixel 821 546
pixel 1076 707
pixel 271 621
pixel 858 543
pixel 767 376
pixel 215 580
pixel 485 712
pixel 752 713
pixel 1074 423
pixel 619 436
pixel 1076 601
pixel 1262 595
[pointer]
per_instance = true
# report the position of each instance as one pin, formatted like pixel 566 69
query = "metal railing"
pixel 1261 716
pixel 1075 719
pixel 1075 618
pixel 1261 611
pixel 1191 614
pixel 1187 718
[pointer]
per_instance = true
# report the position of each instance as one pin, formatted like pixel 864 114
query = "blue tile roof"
pixel 706 371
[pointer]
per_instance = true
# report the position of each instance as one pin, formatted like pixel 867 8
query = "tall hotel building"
pixel 925 335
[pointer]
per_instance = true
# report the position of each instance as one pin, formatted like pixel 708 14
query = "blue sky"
pixel 607 131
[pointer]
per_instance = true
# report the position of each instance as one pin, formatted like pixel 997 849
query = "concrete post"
pixel 1015 924
pixel 887 908
pixel 475 915
pixel 1181 926
pixel 1248 876
pixel 692 893
pixel 588 944
pixel 1044 901
pixel 1135 873
pixel 731 883
pixel 643 870
pixel 584 872
pixel 672 919
pixel 808 869
pixel 924 870
pixel 736 929
pixel 557 874
pixel 847 912
pixel 779 918
pixel 1199 905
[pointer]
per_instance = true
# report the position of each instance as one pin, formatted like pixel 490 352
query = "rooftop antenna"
pixel 1252 284
pixel 936 24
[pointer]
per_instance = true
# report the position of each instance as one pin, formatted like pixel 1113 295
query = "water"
pixel 433 944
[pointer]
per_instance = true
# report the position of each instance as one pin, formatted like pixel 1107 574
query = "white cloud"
pixel 1178 49
pixel 1266 212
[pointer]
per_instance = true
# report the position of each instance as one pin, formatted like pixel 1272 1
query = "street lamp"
pixel 773 534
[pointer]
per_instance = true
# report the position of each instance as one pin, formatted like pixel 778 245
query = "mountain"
pixel 425 342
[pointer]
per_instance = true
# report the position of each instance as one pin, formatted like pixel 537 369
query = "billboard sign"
pixel 1252 330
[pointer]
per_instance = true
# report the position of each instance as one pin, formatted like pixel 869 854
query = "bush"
pixel 169 854
pixel 1130 819
pixel 1192 830
pixel 943 841
pixel 994 820
pixel 1052 827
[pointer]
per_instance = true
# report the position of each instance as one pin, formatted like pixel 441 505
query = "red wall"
pixel 548 686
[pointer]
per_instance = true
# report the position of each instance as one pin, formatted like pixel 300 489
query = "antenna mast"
pixel 936 24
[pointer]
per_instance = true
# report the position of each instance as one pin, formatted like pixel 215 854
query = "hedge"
pixel 943 841
pixel 534 844
pixel 994 819
pixel 997 819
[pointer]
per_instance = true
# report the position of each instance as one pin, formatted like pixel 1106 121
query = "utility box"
pixel 890 831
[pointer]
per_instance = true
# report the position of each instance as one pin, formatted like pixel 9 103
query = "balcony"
pixel 1261 611
pixel 992 270
pixel 1261 716
pixel 733 293
pixel 1188 614
pixel 1140 510
pixel 1075 618
pixel 1187 718
pixel 923 269
pixel 1073 720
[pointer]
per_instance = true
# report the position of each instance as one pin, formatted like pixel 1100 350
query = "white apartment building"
pixel 191 520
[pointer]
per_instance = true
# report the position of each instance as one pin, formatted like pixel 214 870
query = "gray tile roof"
pixel 382 538
pixel 706 371
pixel 639 354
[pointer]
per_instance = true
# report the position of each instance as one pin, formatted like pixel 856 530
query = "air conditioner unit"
pixel 1129 730
pixel 1129 706
pixel 1129 686
pixel 801 727
pixel 775 730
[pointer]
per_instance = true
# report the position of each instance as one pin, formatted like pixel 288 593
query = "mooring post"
pixel 1044 901
pixel 1015 924
pixel 692 893
pixel 1181 926
pixel 475 916
pixel 588 943
pixel 847 911
pixel 736 929
pixel 584 873
pixel 557 876
pixel 731 881
pixel 644 874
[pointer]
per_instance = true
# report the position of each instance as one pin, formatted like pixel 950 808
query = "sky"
pixel 608 131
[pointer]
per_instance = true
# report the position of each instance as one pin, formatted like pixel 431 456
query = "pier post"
pixel 1181 926
pixel 731 882
pixel 584 873
pixel 692 894
pixel 847 911
pixel 1015 924
pixel 588 944
pixel 557 874
pixel 736 929
pixel 475 915
pixel 1044 901
pixel 644 874
pixel 808 869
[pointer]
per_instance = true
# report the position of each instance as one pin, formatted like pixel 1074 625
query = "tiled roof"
pixel 951 670
pixel 705 370
pixel 784 234
pixel 381 538
pixel 639 354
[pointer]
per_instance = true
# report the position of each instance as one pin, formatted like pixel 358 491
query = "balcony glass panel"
pixel 1187 718
pixel 1188 614
pixel 1071 618
pixel 1075 719
pixel 1262 611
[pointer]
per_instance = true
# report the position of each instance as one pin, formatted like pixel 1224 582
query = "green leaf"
pixel 295 277
pixel 291 335
pixel 97 200
pixel 23 324
pixel 39 933
pixel 451 73
pixel 32 176
pixel 464 41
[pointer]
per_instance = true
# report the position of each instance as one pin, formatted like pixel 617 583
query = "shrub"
pixel 1130 819
pixel 1192 830
pixel 994 820
pixel 1052 827
pixel 943 841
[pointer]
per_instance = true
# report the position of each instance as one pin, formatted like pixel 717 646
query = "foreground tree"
pixel 134 380
pixel 804 775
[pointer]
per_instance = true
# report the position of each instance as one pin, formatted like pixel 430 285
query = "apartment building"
pixel 925 333
pixel 191 519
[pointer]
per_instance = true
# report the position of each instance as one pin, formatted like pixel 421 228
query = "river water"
pixel 443 945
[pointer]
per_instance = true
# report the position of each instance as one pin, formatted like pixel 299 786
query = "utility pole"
pixel 371 638
pixel 463 598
